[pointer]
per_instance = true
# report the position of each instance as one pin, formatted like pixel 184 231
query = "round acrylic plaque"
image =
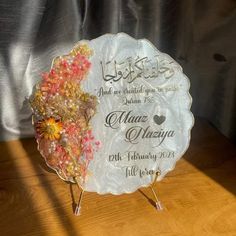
pixel 131 120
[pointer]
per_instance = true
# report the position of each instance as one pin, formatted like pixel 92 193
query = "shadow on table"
pixel 213 154
pixel 22 168
pixel 18 215
pixel 38 164
pixel 153 203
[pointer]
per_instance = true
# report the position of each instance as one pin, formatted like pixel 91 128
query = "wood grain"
pixel 198 196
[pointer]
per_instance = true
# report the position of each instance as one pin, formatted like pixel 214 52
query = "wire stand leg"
pixel 159 206
pixel 78 206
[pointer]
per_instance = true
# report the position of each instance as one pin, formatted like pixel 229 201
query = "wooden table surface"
pixel 198 196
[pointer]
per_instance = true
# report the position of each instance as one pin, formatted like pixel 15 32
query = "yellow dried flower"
pixel 71 89
pixel 82 49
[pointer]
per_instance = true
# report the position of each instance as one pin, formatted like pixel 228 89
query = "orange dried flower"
pixel 49 128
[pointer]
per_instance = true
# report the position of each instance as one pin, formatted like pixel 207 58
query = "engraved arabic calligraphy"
pixel 131 69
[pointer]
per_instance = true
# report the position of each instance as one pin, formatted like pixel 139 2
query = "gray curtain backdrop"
pixel 200 35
